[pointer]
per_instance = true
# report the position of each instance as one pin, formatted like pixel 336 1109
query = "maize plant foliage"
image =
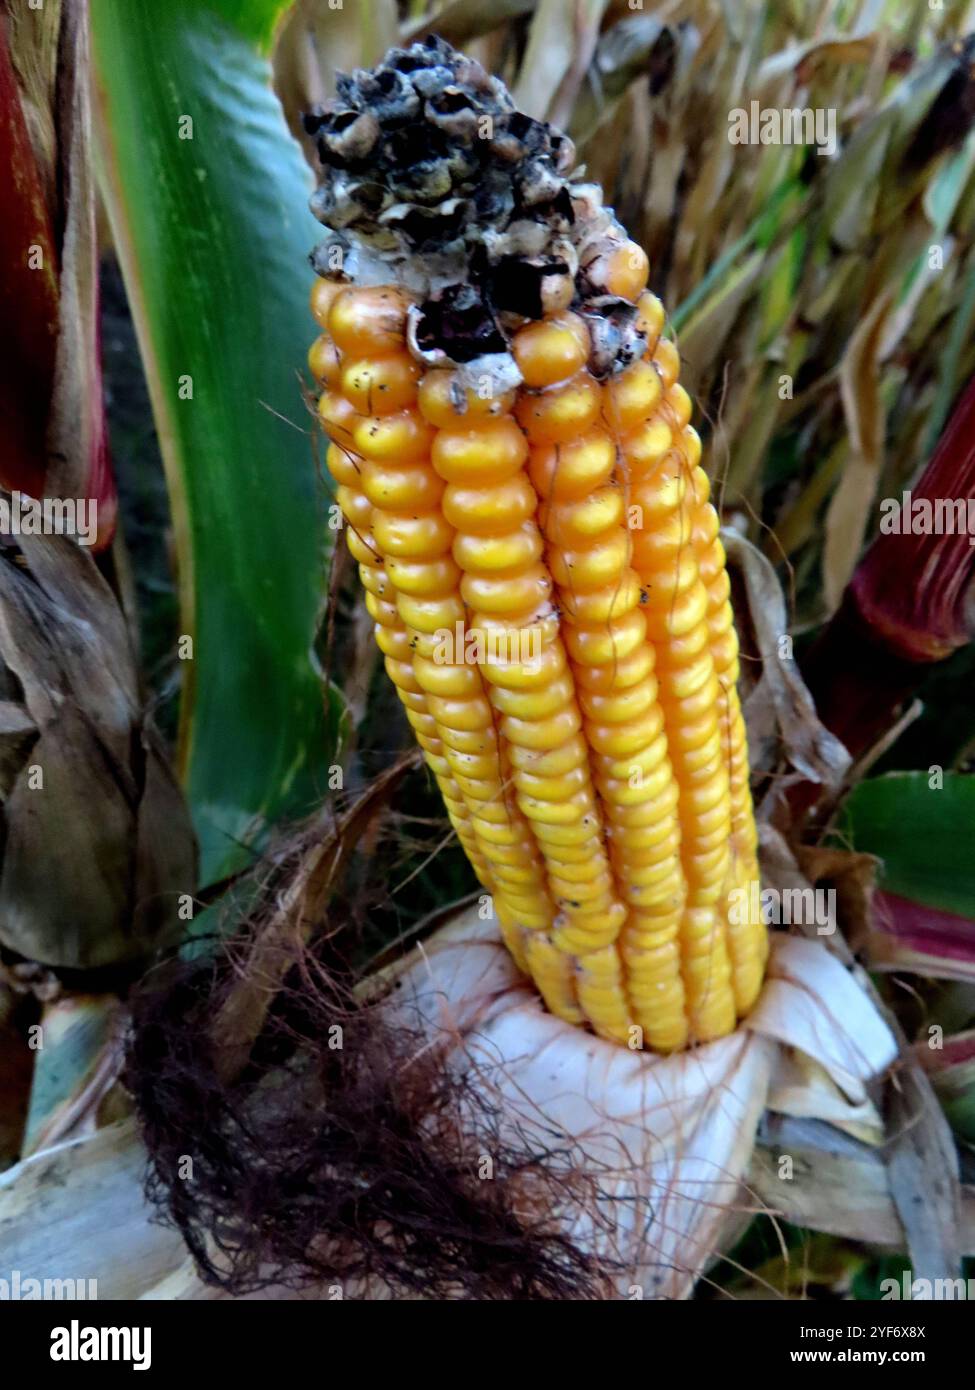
pixel 516 465
pixel 203 186
pixel 75 733
pixel 80 889
pixel 894 817
pixel 528 510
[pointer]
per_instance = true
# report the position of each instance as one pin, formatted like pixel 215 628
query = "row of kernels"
pixel 582 513
pixel 748 940
pixel 602 990
pixel 646 855
pixel 344 468
pixel 478 453
pixel 394 439
pixel 676 610
pixel 508 590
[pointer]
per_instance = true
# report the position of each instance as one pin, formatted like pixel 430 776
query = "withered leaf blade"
pixel 96 840
pixel 779 711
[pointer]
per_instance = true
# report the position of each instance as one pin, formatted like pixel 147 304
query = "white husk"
pixel 668 1140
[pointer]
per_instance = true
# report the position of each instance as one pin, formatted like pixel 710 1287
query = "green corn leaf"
pixel 761 232
pixel 921 833
pixel 207 194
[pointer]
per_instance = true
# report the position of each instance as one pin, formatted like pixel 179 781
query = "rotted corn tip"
pixel 431 179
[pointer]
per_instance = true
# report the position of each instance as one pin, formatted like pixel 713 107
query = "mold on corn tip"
pixel 432 180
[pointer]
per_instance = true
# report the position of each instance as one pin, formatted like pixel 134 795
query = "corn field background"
pixel 220 704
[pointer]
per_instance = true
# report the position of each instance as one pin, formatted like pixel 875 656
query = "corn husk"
pixel 670 1139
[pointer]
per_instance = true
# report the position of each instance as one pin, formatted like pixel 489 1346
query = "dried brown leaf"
pixel 852 502
pixel 852 876
pixel 779 711
pixel 920 1155
pixel 826 51
pixel 464 20
pixel 922 1163
pixel 561 43
pixel 16 1068
pixel 33 37
pixel 64 640
pixel 77 439
pixel 639 45
pixel 837 1184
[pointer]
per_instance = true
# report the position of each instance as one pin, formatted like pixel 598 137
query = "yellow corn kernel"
pixel 551 350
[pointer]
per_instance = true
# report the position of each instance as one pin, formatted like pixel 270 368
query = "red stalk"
pixel 909 604
pixel 28 296
pixel 53 434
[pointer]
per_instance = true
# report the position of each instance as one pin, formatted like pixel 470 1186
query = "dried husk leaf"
pixel 97 843
pixel 670 1139
pixel 80 1207
pixel 921 1158
pixel 835 1184
pixel 852 502
pixel 779 711
pixel 78 1211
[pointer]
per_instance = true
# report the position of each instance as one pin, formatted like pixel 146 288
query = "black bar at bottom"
pixel 274 1337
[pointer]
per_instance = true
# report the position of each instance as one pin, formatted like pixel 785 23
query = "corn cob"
pixel 524 497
